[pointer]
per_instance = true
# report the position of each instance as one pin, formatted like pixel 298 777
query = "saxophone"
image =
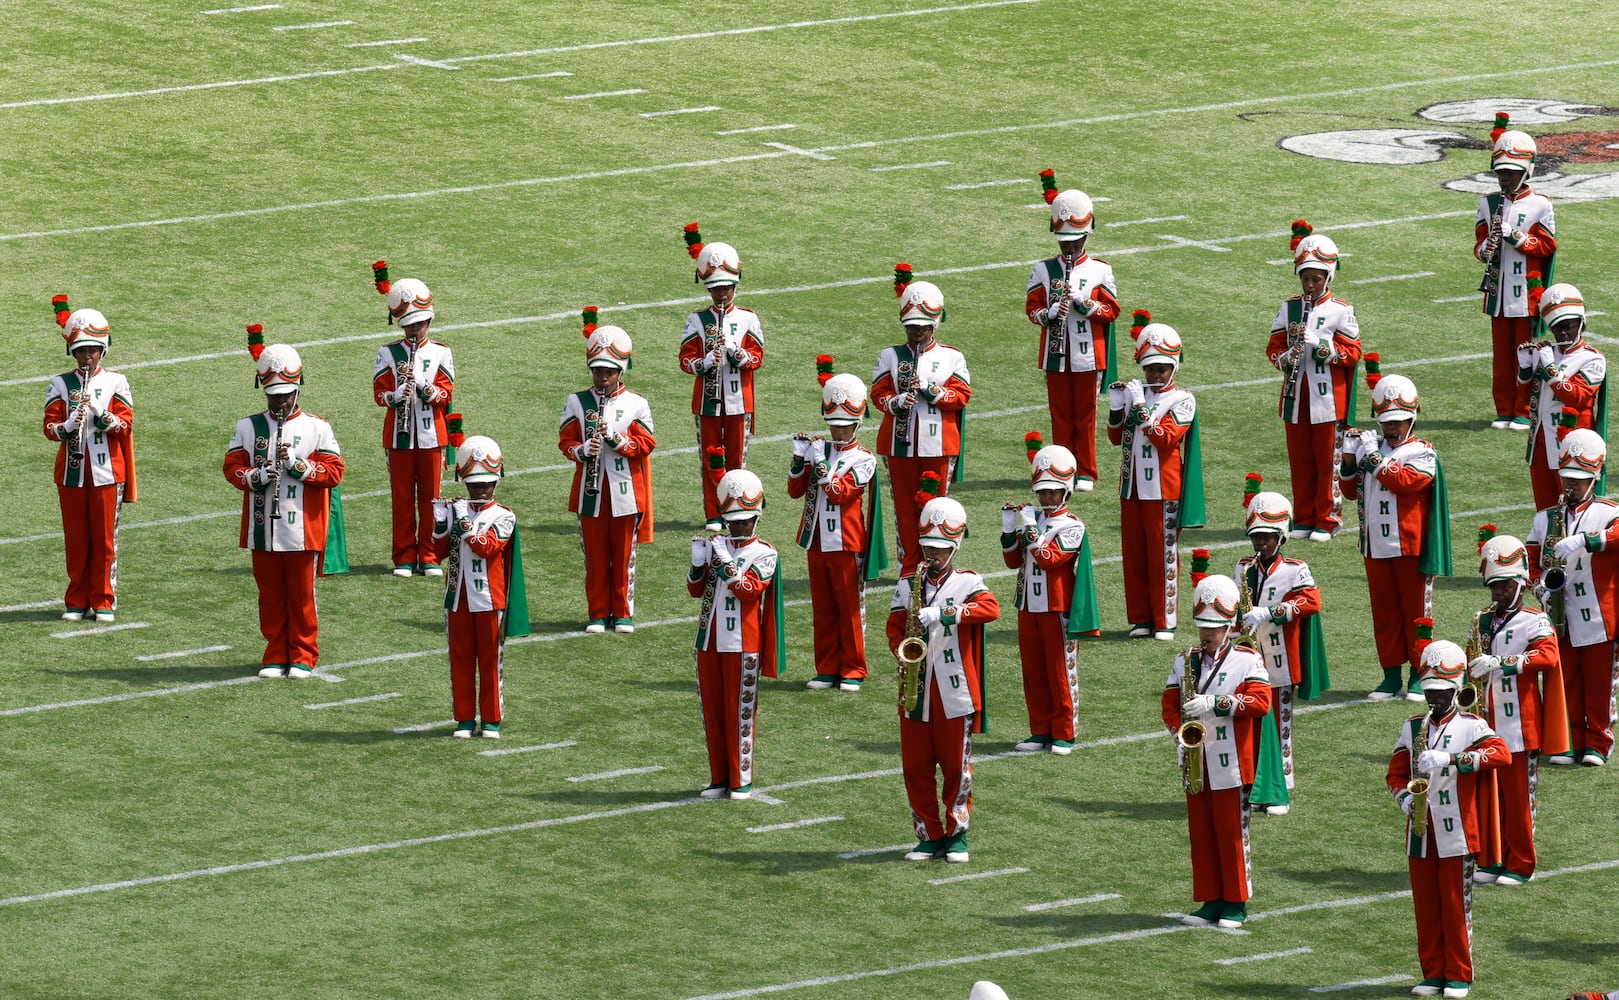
pixel 1248 638
pixel 1555 573
pixel 594 465
pixel 1191 732
pixel 1418 785
pixel 1469 697
pixel 913 649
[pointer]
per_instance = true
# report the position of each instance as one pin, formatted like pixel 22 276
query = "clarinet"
pixel 812 493
pixel 1057 329
pixel 1294 362
pixel 275 466
pixel 80 398
pixel 1490 285
pixel 713 340
pixel 593 463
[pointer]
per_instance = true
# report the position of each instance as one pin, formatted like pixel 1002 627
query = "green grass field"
pixel 172 829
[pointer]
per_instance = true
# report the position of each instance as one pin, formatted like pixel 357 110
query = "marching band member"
pixel 1285 624
pixel 1399 484
pixel 91 412
pixel 1568 387
pixel 831 477
pixel 1515 237
pixel 1215 695
pixel 484 597
pixel 607 430
pixel 1315 344
pixel 1073 299
pixel 922 387
pixel 414 378
pixel 1056 599
pixel 1161 479
pixel 1446 751
pixel 286 463
pixel 1516 653
pixel 945 608
pixel 721 346
pixel 1572 549
pixel 739 632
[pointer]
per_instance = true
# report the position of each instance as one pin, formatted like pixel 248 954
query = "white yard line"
pixel 311 25
pixel 909 166
pixel 355 701
pixel 975 876
pixel 505 751
pixel 148 658
pixel 603 93
pixel 1264 956
pixel 529 76
pixel 27 606
pixel 1058 904
pixel 1142 222
pixel 422 727
pixel 243 10
pixel 1391 277
pixel 767 800
pixel 987 184
pixel 755 128
pixel 869 851
pixel 419 61
pixel 126 696
pixel 681 111
pixel 1455 298
pixel 796 151
pixel 103 630
pixel 390 41
pixel 772 828
pixel 604 775
pixel 184 88
pixel 1357 984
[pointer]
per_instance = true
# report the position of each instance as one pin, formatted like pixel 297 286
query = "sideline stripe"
pixel 100 631
pixel 987 184
pixel 243 10
pixel 868 852
pixel 423 727
pixel 1264 956
pixel 1395 277
pixel 1142 222
pixel 681 111
pixel 1058 904
pixel 395 41
pixel 754 128
pixel 603 93
pixel 772 828
pixel 603 775
pixel 355 701
pixel 909 166
pixel 977 875
pixel 1379 981
pixel 181 652
pixel 312 24
pixel 529 76
pixel 503 751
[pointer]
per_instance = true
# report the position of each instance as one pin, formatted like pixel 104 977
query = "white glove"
pixel 903 401
pixel 1116 398
pixel 592 447
pixel 1526 356
pixel 929 616
pixel 460 511
pixel 699 551
pixel 1484 666
pixel 1257 617
pixel 801 447
pixel 1568 548
pixel 737 356
pixel 1429 761
pixel 1053 310
pixel 1084 304
pixel 1026 516
pixel 1407 802
pixel 1198 704
pixel 1137 396
pixel 1544 356
pixel 1312 340
pixel 74 420
pixel 711 363
pixel 1009 519
pixel 1370 440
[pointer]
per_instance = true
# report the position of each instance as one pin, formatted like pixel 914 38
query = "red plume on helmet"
pixel 928 489
pixel 902 277
pixel 1200 565
pixel 589 314
pixel 456 425
pixel 1374 368
pixel 823 368
pixel 1048 185
pixel 61 309
pixel 1424 637
pixel 1537 288
pixel 379 275
pixel 1032 443
pixel 1138 321
pixel 1301 229
pixel 715 454
pixel 694 240
pixel 1501 119
pixel 255 339
pixel 1250 488
pixel 1485 533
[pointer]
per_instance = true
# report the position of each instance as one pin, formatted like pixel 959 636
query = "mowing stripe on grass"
pixel 1394 277
pixel 909 166
pixel 100 631
pixel 988 184
pixel 243 10
pixel 504 751
pixel 1264 956
pixel 754 128
pixel 604 775
pixel 423 727
pixel 311 25
pixel 603 93
pixel 681 111
pixel 1058 904
pixel 772 828
pixel 148 658
pixel 975 876
pixel 529 76
pixel 1142 222
pixel 355 701
pixel 868 852
pixel 395 41
pixel 1357 984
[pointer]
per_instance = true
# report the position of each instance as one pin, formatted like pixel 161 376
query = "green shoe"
pixel 1233 915
pixel 1413 688
pixel 1389 688
pixel 822 682
pixel 955 848
pixel 1206 914
pixel 465 730
pixel 1061 747
pixel 490 731
pixel 850 684
pixel 745 792
pixel 624 626
pixel 925 850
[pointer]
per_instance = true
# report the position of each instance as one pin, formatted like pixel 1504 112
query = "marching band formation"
pixel 1529 682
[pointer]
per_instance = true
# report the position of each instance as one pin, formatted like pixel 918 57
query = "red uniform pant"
pixel 1072 399
pixel 1312 460
pixel 1590 677
pixel 90 536
pixel 927 748
pixel 728 687
pixel 477 652
pixel 609 546
pixel 1511 399
pixel 1151 564
pixel 904 478
pixel 287 607
pixel 1050 673
pixel 1515 785
pixel 1217 820
pixel 1543 474
pixel 1401 594
pixel 731 433
pixel 838 604
pixel 413 475
pixel 1442 893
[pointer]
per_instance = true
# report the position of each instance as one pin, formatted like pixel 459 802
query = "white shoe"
pixel 1193 920
pixel 1424 990
pixel 1061 748
pixel 1561 759
pixel 104 617
pixel 1320 536
pixel 300 673
pixel 1501 423
pixel 1164 635
pixel 1141 632
pixel 273 672
pixel 1299 533
pixel 712 792
pixel 1589 758
pixel 595 628
pixel 1482 877
pixel 1414 696
pixel 1277 810
pixel 816 684
pixel 623 628
pixel 1381 696
pixel 1030 745
pixel 1507 880
pixel 956 857
pixel 401 571
pixel 850 686
pixel 741 794
pixel 1455 992
pixel 715 525
pixel 1083 485
pixel 433 571
pixel 73 616
pixel 1229 925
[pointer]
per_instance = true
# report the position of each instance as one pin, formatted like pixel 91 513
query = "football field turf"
pixel 172 827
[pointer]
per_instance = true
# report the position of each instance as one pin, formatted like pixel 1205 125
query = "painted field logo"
pixel 1572 166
